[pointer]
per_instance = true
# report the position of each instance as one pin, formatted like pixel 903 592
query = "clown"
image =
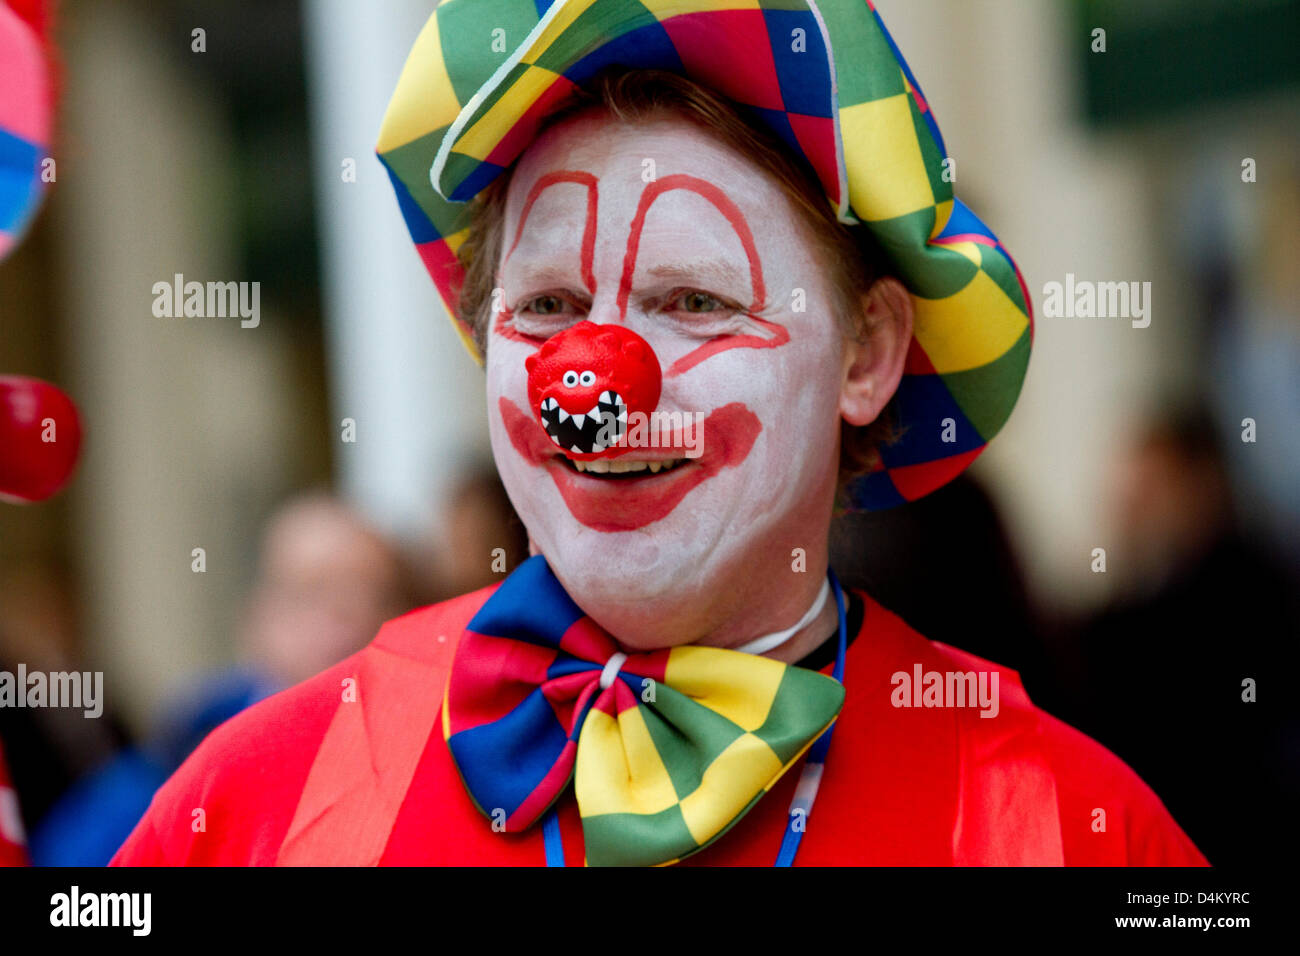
pixel 678 211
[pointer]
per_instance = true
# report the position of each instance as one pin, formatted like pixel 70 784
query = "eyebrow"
pixel 541 276
pixel 709 271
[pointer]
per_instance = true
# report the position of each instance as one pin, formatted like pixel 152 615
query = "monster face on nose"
pixel 584 382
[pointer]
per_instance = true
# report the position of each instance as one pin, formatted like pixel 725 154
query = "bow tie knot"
pixel 611 669
pixel 540 695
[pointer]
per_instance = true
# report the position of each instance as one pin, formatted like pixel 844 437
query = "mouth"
pixel 587 432
pixel 622 468
pixel 632 490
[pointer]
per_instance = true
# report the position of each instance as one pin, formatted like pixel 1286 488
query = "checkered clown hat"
pixel 827 79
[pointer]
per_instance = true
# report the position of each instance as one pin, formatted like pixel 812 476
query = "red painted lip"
pixel 626 504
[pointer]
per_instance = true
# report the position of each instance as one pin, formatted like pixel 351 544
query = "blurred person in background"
pixel 325 578
pixel 479 520
pixel 1181 673
pixel 1253 355
pixel 325 582
pixel 47 748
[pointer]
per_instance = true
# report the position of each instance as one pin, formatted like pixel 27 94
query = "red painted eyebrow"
pixel 722 202
pixel 731 212
pixel 588 253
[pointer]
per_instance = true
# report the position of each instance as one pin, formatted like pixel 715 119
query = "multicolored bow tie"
pixel 666 749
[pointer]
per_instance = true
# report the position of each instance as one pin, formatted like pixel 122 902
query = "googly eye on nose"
pixel 584 382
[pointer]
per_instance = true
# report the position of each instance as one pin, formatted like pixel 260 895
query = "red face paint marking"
pixel 510 332
pixel 731 212
pixel 588 253
pixel 721 343
pixel 720 201
pixel 625 504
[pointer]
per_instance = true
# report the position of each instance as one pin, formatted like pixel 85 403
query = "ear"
pixel 873 363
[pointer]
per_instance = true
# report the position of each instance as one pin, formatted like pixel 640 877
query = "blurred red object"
pixel 40 435
pixel 38 14
pixel 13 850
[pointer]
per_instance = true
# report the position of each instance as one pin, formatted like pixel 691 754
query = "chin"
pixel 642 581
pixel 662 562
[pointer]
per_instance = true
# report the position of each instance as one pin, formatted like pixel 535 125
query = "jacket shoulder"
pixel 232 800
pixel 1030 781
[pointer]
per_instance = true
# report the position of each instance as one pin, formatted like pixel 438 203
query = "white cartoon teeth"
pixel 569 431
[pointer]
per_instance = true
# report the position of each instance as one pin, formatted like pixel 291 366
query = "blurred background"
pixel 332 463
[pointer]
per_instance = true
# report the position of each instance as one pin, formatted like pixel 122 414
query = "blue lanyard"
pixel 805 791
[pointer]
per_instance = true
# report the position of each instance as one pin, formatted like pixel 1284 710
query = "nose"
pixel 596 372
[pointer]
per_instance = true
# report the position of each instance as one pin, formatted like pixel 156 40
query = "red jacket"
pixel 309 777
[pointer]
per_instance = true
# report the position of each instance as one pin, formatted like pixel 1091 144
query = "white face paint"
pixel 668 558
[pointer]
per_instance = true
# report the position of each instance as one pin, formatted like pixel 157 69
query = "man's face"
pixel 659 227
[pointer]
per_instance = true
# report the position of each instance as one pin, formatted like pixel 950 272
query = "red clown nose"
pixel 40 434
pixel 585 381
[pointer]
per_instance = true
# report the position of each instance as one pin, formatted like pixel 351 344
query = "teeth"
pixel 621 466
pixel 594 415
pixel 604 397
pixel 564 416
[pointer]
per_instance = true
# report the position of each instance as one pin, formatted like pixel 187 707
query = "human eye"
pixel 543 314
pixel 546 304
pixel 695 301
pixel 695 306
